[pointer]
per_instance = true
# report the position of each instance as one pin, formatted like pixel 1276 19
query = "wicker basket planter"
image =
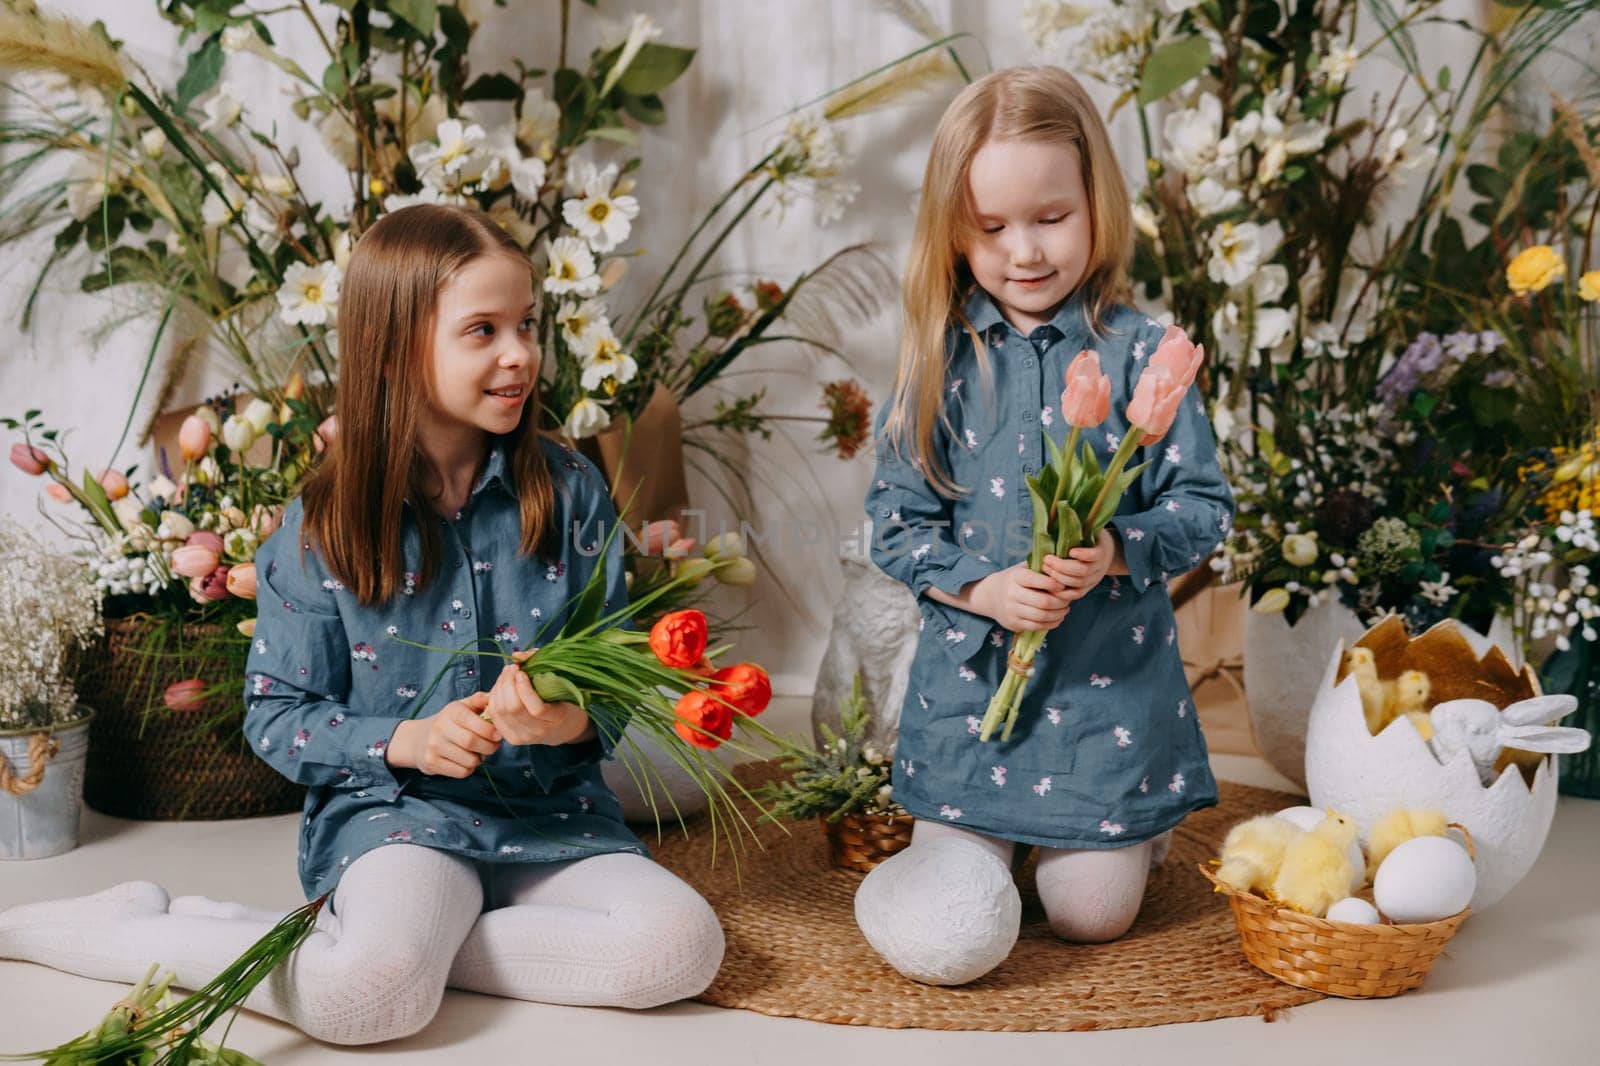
pixel 1336 958
pixel 148 762
pixel 862 841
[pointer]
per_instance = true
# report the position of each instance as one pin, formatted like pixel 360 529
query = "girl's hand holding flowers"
pixel 521 717
pixel 1084 568
pixel 451 743
pixel 1021 599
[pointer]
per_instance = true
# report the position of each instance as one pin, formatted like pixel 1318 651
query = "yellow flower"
pixel 1589 286
pixel 1535 268
pixel 1272 601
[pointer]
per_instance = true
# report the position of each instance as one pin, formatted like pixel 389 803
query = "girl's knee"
pixel 1091 897
pixel 692 944
pixel 945 912
pixel 388 999
pixel 1092 926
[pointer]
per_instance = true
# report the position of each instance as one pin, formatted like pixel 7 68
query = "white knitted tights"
pixel 611 930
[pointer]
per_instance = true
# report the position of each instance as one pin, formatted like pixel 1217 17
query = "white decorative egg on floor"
pixel 1367 776
pixel 1423 880
pixel 1308 818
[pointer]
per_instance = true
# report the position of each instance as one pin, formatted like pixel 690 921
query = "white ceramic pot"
pixel 1284 664
pixel 1366 776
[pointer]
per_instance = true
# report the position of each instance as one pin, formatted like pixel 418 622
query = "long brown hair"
pixel 387 306
pixel 1020 103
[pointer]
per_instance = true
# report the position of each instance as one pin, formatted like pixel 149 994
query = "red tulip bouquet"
pixel 1073 498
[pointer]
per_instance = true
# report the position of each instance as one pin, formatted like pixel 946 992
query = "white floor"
pixel 1521 983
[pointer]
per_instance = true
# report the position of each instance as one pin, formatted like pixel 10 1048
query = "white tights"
pixel 1090 895
pixel 610 930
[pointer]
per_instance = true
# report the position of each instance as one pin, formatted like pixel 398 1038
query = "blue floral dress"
pixel 329 680
pixel 1107 750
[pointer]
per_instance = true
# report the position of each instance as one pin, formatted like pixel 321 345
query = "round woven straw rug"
pixel 794 950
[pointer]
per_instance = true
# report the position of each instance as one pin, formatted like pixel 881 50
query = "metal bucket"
pixel 44 821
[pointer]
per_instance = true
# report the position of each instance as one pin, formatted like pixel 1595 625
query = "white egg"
pixel 1355 911
pixel 1425 879
pixel 1308 818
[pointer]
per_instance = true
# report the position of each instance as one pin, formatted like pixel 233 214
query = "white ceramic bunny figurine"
pixel 1483 731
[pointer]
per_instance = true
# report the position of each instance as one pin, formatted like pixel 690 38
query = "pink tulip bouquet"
pixel 1073 498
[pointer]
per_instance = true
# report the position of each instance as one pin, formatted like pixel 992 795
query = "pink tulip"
pixel 194 437
pixel 1086 401
pixel 1178 357
pixel 210 588
pixel 29 460
pixel 115 484
pixel 58 492
pixel 1155 403
pixel 187 695
pixel 326 433
pixel 204 538
pixel 657 535
pixel 242 581
pixel 195 560
pixel 264 520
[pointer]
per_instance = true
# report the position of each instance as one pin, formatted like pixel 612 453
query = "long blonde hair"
pixel 1020 103
pixel 375 467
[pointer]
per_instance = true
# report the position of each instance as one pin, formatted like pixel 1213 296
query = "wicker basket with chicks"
pixel 1316 911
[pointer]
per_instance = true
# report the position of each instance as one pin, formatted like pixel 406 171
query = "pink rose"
pixel 195 560
pixel 194 437
pixel 1178 357
pixel 1086 401
pixel 29 460
pixel 1155 403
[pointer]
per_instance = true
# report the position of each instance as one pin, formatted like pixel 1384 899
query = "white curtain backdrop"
pixel 754 62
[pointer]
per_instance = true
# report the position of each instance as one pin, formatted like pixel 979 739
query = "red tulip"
pixel 679 638
pixel 1178 356
pixel 700 714
pixel 195 560
pixel 1086 401
pixel 1155 403
pixel 185 695
pixel 29 460
pixel 704 668
pixel 242 581
pixel 115 483
pixel 746 686
pixel 210 588
pixel 194 437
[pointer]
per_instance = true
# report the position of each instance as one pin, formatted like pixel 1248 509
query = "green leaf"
pixel 200 76
pixel 493 87
pixel 1091 462
pixel 654 68
pixel 556 689
pixel 457 32
pixel 1171 65
pixel 1069 532
pixel 333 82
pixel 646 109
pixel 1444 78
pixel 1424 404
pixel 1041 530
pixel 420 14
pixel 619 134
pixel 1057 460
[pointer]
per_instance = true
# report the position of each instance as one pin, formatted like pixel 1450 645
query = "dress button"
pixel 466 612
pixel 883 513
pixel 1027 468
pixel 1027 362
pixel 1027 416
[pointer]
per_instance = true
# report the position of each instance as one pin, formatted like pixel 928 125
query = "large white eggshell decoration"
pixel 1367 776
pixel 944 912
pixel 1423 880
pixel 1308 818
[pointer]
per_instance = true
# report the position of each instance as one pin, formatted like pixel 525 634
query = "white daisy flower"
pixel 577 319
pixel 606 360
pixel 571 268
pixel 222 110
pixel 455 148
pixel 527 177
pixel 310 295
pixel 540 123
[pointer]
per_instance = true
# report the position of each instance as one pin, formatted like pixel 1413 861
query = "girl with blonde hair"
pixel 1018 262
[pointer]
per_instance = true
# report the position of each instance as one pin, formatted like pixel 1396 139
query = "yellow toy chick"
pixel 1374 698
pixel 1407 695
pixel 1397 827
pixel 1316 867
pixel 1422 722
pixel 1253 850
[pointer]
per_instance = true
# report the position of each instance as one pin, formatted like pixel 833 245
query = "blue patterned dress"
pixel 328 681
pixel 1107 750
